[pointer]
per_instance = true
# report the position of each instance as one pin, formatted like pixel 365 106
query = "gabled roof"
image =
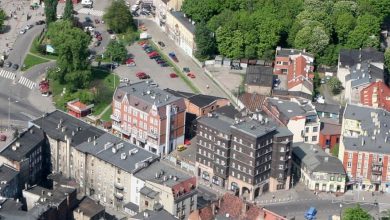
pixel 292 109
pixel 364 73
pixel 329 108
pixel 351 57
pixel 252 101
pixel 259 75
pixel 201 100
pixel 154 215
pixel 228 111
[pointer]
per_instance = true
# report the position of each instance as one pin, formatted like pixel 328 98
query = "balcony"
pixel 376 170
pixel 376 179
pixel 118 186
pixel 118 196
pixel 115 117
pixel 152 135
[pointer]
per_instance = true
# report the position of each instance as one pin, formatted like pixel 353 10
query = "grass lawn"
pixel 34 51
pixel 32 60
pixel 175 68
pixel 106 115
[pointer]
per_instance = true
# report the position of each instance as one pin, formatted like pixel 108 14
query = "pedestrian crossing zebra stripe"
pixel 7 74
pixel 27 83
pixel 91 12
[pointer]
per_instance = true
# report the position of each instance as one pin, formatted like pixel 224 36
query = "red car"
pixel 99 38
pixel 173 75
pixel 191 75
pixel 142 42
pixel 146 76
pixel 153 53
pixel 140 74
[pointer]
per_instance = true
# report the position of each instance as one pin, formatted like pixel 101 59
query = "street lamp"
pixel 341 209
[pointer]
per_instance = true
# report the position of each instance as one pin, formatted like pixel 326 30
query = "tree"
pixel 230 43
pixel 51 11
pixel 3 16
pixel 68 11
pixel 116 50
pixel 118 17
pixel 201 10
pixel 335 150
pixel 387 58
pixel 312 38
pixel 356 213
pixel 344 25
pixel 205 42
pixel 335 85
pixel 366 32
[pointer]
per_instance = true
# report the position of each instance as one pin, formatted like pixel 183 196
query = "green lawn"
pixel 32 60
pixel 34 51
pixel 106 115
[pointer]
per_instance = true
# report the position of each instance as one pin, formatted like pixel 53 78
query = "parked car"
pixel 97 21
pixel 153 84
pixel 113 36
pixel 22 31
pixel 130 62
pixel 160 61
pixel 88 19
pixel 8 64
pixel 140 74
pixel 99 38
pixel 96 44
pixel 191 75
pixel 142 42
pixel 28 27
pixel 124 80
pixel 15 66
pixel 186 69
pixel 173 75
pixel 164 64
pixel 146 76
pixel 40 22
pixel 172 55
pixel 110 31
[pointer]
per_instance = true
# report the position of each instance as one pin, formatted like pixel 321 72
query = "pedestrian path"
pixel 7 74
pixel 89 11
pixel 26 82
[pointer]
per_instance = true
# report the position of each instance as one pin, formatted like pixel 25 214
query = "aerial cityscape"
pixel 194 110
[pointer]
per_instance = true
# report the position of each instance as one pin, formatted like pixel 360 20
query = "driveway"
pixel 157 73
pixel 202 80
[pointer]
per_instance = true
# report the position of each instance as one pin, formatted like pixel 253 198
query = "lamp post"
pixel 341 209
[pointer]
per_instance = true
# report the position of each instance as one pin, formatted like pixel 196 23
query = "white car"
pixel 28 27
pixel 125 80
pixel 153 84
pixel 113 36
pixel 89 28
pixel 22 31
pixel 59 16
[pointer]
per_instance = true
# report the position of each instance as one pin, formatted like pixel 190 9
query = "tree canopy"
pixel 118 17
pixel 116 50
pixel 68 11
pixel 206 44
pixel 252 29
pixel 3 16
pixel 356 213
pixel 51 10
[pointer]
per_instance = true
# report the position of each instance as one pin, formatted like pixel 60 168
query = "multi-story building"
pixel 181 30
pixel 150 117
pixel 237 154
pixel 349 58
pixel 377 95
pixel 9 182
pixel 299 116
pixel 27 154
pixel 88 209
pixel 325 110
pixel 285 58
pixel 316 169
pixel 364 147
pixel 259 79
pixel 166 187
pixel 163 7
pixel 330 130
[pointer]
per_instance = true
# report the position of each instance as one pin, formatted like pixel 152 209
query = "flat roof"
pixel 259 75
pixel 89 207
pixel 292 109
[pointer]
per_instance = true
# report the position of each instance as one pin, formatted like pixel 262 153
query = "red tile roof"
pixel 252 101
pixel 184 186
pixel 382 92
pixel 299 73
pixel 230 204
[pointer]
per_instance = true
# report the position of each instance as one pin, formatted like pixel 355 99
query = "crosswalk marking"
pixel 7 74
pixel 89 11
pixel 26 82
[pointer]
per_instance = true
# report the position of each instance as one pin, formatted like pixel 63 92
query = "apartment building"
pixel 285 58
pixel 9 182
pixel 364 147
pixel 167 187
pixel 259 79
pixel 104 168
pixel 150 117
pixel 316 169
pixel 298 115
pixel 377 95
pixel 27 154
pixel 236 154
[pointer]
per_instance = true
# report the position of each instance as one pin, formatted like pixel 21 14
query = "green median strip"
pixel 175 68
pixel 33 60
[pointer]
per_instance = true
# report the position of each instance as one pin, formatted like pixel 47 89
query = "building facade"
pixel 9 182
pixel 181 30
pixel 150 117
pixel 377 95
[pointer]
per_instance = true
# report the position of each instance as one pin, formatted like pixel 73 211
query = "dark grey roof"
pixel 184 21
pixel 350 57
pixel 316 160
pixel 57 196
pixel 291 109
pixel 201 100
pixel 217 122
pixel 162 168
pixel 7 174
pixel 148 94
pixel 154 215
pixel 132 206
pixel 324 107
pixel 228 111
pixel 375 126
pixel 255 128
pixel 180 93
pixel 364 73
pixel 20 147
pixel 12 210
pixel 148 192
pixel 89 207
pixel 285 52
pixel 259 75
pixel 107 144
pixel 283 132
pixel 71 125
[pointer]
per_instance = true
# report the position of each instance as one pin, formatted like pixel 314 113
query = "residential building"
pixel 104 169
pixel 237 154
pixel 361 76
pixel 51 204
pixel 63 132
pixel 11 209
pixel 377 95
pixel 364 147
pixel 330 132
pixel 9 182
pixel 253 102
pixel 298 115
pixel 316 169
pixel 28 155
pixel 351 57
pixel 325 110
pixel 285 58
pixel 259 79
pixel 181 30
pixel 163 7
pixel 166 187
pixel 78 109
pixel 150 117
pixel 88 209
pixel 160 214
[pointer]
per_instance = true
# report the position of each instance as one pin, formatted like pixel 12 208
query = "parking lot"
pixel 158 74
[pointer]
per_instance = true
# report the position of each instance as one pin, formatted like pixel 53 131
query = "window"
pixel 282 149
pixel 315 129
pixel 306 139
pixel 332 178
pixel 349 164
pixel 350 155
pixel 314 138
pixel 281 167
pixel 307 129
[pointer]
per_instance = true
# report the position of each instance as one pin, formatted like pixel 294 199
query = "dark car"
pixel 110 31
pixel 161 44
pixel 8 64
pixel 108 66
pixel 88 19
pixel 135 14
pixel 40 22
pixel 186 69
pixel 164 64
pixel 15 66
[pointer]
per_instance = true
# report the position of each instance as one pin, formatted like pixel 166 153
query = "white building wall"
pixel 136 184
pixel 297 128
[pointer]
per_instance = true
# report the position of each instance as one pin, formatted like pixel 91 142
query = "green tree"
pixel 78 79
pixel 201 10
pixel 68 11
pixel 116 50
pixel 335 85
pixel 345 23
pixel 205 42
pixel 230 43
pixel 341 7
pixel 330 55
pixel 387 58
pixel 335 150
pixel 366 32
pixel 356 213
pixel 312 38
pixel 51 10
pixel 3 16
pixel 118 17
